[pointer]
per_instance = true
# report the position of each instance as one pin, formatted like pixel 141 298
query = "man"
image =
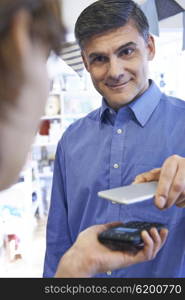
pixel 29 30
pixel 136 129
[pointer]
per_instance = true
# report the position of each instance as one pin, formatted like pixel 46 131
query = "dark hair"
pixel 104 15
pixel 46 20
pixel 45 27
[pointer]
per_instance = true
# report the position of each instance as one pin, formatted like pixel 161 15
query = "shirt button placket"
pixel 119 131
pixel 109 273
pixel 113 211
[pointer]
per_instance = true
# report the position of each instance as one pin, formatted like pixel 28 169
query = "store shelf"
pixel 47 144
pixel 46 175
pixel 55 117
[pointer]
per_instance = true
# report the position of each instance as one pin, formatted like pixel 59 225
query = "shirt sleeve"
pixel 58 238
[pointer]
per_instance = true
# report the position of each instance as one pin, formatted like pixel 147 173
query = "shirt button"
pixel 116 166
pixel 109 273
pixel 119 131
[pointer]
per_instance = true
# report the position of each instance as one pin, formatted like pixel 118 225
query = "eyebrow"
pixel 95 54
pixel 126 45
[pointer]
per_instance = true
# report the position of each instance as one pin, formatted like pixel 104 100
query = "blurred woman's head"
pixel 29 30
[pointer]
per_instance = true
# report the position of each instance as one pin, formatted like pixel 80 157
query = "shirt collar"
pixel 142 107
pixel 104 108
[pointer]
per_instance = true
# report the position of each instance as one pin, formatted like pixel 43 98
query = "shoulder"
pixel 78 127
pixel 80 123
pixel 173 102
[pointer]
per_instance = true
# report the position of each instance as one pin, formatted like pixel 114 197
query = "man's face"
pixel 117 61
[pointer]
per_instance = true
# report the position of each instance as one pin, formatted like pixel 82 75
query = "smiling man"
pixel 136 129
pixel 119 72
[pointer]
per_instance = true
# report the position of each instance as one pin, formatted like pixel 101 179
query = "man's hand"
pixel 88 256
pixel 171 186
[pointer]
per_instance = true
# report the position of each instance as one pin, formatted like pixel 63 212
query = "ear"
pixel 20 32
pixel 85 61
pixel 151 47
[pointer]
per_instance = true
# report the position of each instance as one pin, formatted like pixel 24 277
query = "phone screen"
pixel 130 193
pixel 124 229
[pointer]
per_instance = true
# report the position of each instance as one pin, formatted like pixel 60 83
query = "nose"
pixel 115 69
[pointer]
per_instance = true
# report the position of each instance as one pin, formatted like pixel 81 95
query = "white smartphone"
pixel 130 193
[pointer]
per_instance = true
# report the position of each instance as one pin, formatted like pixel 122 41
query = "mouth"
pixel 118 85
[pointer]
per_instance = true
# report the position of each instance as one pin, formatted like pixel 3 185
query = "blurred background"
pixel 24 207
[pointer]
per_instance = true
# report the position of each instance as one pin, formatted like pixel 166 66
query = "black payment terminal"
pixel 127 236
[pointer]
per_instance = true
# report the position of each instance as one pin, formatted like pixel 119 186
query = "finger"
pixel 181 205
pixel 158 239
pixel 140 178
pixel 168 172
pixel 154 241
pixel 148 245
pixel 163 235
pixel 178 187
pixel 181 199
pixel 102 227
pixel 148 176
pixel 156 171
pixel 113 224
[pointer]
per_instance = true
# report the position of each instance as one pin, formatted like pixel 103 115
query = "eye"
pixel 127 51
pixel 99 59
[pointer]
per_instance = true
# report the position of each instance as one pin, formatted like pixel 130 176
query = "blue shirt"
pixel 106 150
